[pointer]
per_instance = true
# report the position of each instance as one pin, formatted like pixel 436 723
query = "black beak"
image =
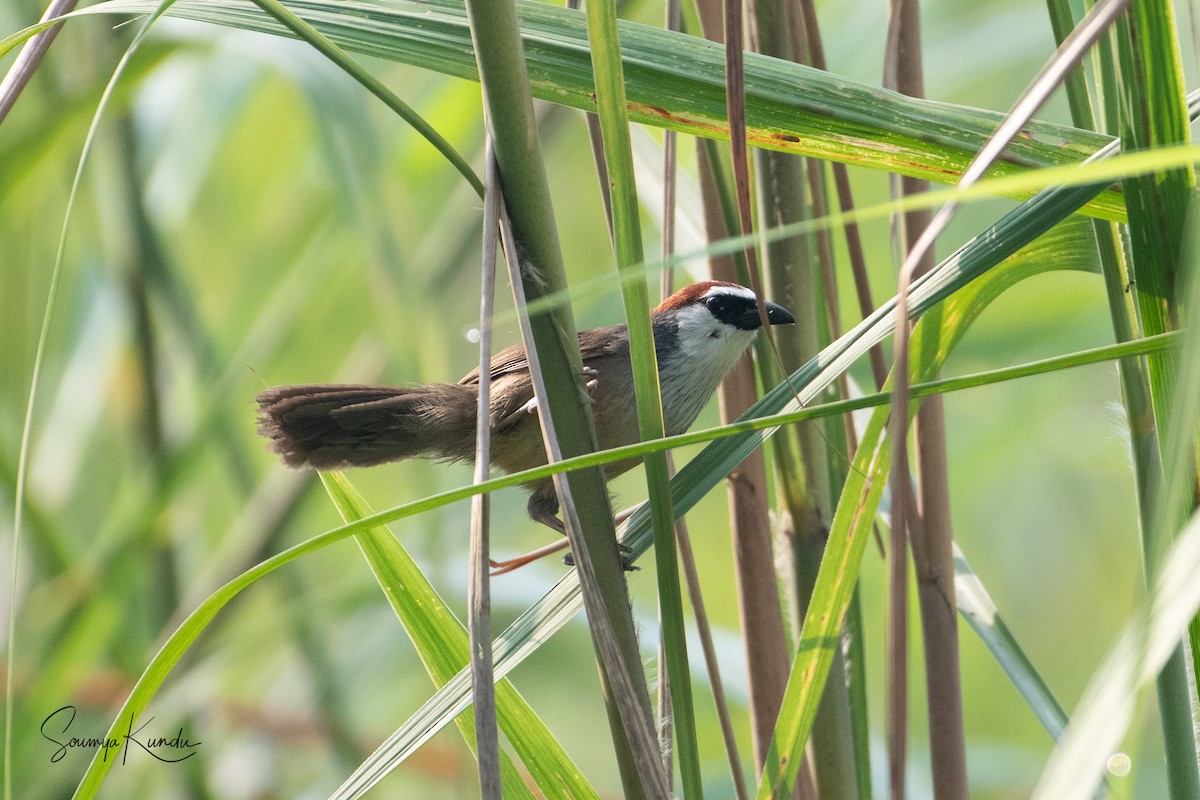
pixel 776 315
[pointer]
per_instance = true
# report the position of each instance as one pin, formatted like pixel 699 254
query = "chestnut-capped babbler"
pixel 699 334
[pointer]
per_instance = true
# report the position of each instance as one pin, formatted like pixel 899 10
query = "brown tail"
pixel 337 426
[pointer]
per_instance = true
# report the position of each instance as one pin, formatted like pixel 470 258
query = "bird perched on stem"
pixel 699 334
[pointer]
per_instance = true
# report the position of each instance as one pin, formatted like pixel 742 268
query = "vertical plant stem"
pixel 630 255
pixel 551 343
pixel 759 608
pixel 479 598
pixel 687 558
pixel 758 599
pixel 666 742
pixel 801 456
pixel 1155 115
pixel 814 50
pixel 932 539
pixel 896 638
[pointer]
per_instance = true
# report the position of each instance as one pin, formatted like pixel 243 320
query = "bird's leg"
pixel 543 508
pixel 501 567
pixel 623 550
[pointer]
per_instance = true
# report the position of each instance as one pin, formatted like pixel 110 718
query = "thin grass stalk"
pixel 932 541
pixel 1154 114
pixel 856 678
pixel 596 140
pixel 805 25
pixel 711 662
pixel 552 347
pixel 758 600
pixel 1064 60
pixel 903 505
pixel 666 742
pixel 630 255
pixel 840 728
pixel 22 70
pixel 687 558
pixel 801 456
pixel 479 601
pixel 619 179
pixel 808 31
pixel 1135 385
pixel 759 605
pixel 622 681
pixel 896 625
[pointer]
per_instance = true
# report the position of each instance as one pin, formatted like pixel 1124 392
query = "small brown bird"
pixel 699 334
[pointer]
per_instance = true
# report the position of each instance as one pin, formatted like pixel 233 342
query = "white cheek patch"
pixel 696 328
pixel 689 382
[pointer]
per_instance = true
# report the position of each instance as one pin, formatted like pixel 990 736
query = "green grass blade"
pixel 611 105
pixel 1107 708
pixel 855 513
pixel 440 639
pixel 1154 114
pixel 789 107
pixel 442 643
pixel 977 608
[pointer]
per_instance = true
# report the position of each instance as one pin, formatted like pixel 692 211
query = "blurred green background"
pixel 250 217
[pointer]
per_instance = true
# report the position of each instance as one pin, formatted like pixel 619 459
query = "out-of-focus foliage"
pixel 250 218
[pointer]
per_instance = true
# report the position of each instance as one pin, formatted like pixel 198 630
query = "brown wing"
pixel 592 344
pixel 511 389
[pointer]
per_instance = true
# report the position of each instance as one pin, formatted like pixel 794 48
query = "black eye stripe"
pixel 724 307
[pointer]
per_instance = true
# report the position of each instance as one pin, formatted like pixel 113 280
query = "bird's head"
pixel 700 332
pixel 717 310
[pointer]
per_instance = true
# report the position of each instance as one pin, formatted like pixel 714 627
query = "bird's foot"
pixel 592 383
pixel 623 552
pixel 592 378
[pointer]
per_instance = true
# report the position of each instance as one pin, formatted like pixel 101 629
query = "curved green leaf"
pixel 676 81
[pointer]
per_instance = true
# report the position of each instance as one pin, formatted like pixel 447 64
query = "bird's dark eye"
pixel 718 304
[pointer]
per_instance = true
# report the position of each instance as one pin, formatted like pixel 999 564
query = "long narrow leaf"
pixel 441 641
pixel 789 107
